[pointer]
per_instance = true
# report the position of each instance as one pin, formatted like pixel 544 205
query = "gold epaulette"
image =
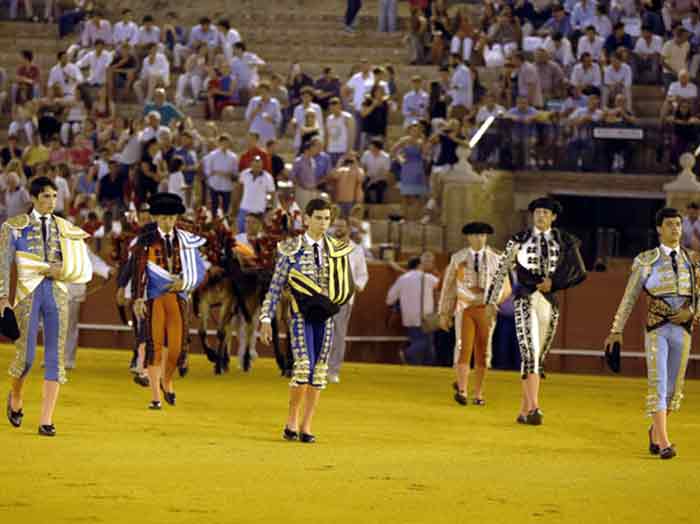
pixel 290 246
pixel 338 248
pixel 70 231
pixel 459 257
pixel 496 252
pixel 18 221
pixel 647 258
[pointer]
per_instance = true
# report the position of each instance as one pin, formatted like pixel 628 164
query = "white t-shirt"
pixel 642 47
pixel 407 290
pixel 690 90
pixel 360 87
pixel 337 128
pixel 618 76
pixel 63 193
pixel 376 167
pixel 255 190
pixel 176 183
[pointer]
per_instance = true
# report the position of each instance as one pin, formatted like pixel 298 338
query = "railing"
pixel 554 144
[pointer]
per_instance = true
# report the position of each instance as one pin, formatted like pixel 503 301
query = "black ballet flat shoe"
pixel 668 453
pixel 535 417
pixel 306 438
pixel 15 417
pixel 142 381
pixel 183 370
pixel 479 402
pixel 522 419
pixel 48 430
pixel 654 449
pixel 289 434
pixel 155 405
pixel 460 399
pixel 169 397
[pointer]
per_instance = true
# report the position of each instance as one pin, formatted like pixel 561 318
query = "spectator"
pixel 415 293
pixel 103 109
pixel 299 118
pixel 684 137
pixel 410 151
pixel 586 75
pixel 326 88
pixel 65 74
pixel 601 21
pixel 63 196
pixel 121 73
pixel 617 79
pixel 581 148
pixel 489 145
pixel 27 80
pixel 203 34
pixel 147 37
pixel 683 88
pixel 691 227
pixel 155 72
pixel 528 80
pixel 591 43
pixel 11 151
pixel 551 76
pixel 375 115
pixel 279 91
pixel 153 128
pixel 558 23
pixel 674 55
pixel 244 67
pixel 34 155
pixel 296 81
pixel 647 57
pixel 125 31
pixel 506 31
pixel 461 84
pixel 150 174
pixel 167 111
pixel 340 126
pixel 619 152
pixel 73 12
pixel 675 11
pixel 617 40
pixel 17 199
pixel 309 129
pixel 276 161
pixel 228 37
pixel 96 28
pixel 353 8
pixel 264 115
pixel 220 168
pixel 387 16
pixel 462 44
pixel 196 70
pixel 348 179
pixel 254 151
pixel 98 62
pixel 303 176
pixel 416 38
pixel 583 15
pixel 221 95
pixel 559 48
pixel 415 103
pixel 522 135
pixel 28 10
pixel 355 89
pixel 322 162
pixel 376 164
pixel 258 187
pixel 186 151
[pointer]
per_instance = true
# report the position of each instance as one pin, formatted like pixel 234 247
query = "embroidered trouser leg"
pixel 311 345
pixel 667 352
pixel 72 332
pixel 535 324
pixel 472 334
pixel 166 320
pixel 48 304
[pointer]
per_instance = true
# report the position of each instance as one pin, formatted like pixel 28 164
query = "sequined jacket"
pixel 296 257
pixel 566 268
pixel 652 271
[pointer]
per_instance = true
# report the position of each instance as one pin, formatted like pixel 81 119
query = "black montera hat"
pixel 477 228
pixel 166 204
pixel 546 203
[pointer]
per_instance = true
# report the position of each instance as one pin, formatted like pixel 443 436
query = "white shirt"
pixel 462 87
pixel 311 242
pixel 484 112
pixel 299 118
pixel 93 32
pixel 668 250
pixel 255 190
pixel 594 48
pixel 642 47
pixel 376 166
pixel 149 133
pixel 407 290
pixel 125 32
pixel 618 76
pixel 462 46
pixel 145 37
pixel 98 66
pixel 586 77
pixel 690 90
pixel 360 87
pixel 62 193
pixel 160 66
pixel 227 41
pixel 219 167
pixel 358 268
pixel 176 183
pixel 338 132
pixel 563 54
pixel 68 77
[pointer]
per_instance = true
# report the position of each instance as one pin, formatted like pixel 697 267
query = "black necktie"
pixel 476 264
pixel 45 237
pixel 168 247
pixel 317 255
pixel 544 255
pixel 674 263
pixel 285 223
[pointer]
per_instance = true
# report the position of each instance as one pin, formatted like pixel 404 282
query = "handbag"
pixel 430 323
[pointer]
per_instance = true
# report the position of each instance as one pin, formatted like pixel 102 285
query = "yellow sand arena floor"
pixel 393 448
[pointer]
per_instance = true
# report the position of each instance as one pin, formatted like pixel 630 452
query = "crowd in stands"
pixel 118 116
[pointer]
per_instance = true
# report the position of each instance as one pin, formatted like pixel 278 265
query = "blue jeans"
pixel 387 16
pixel 224 196
pixel 240 221
pixel 420 349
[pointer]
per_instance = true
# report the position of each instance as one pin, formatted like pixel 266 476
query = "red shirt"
pixel 30 71
pixel 248 156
